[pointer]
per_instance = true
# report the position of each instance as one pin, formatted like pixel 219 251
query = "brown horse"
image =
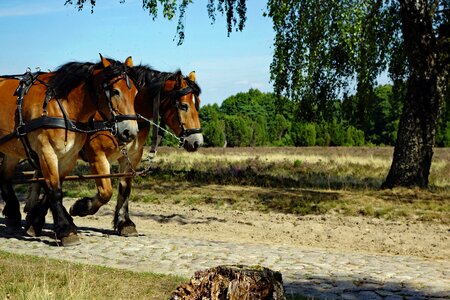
pixel 176 99
pixel 47 123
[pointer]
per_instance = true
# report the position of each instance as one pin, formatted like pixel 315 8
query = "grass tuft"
pixel 27 277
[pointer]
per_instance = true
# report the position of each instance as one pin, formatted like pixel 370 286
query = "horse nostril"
pixel 126 134
pixel 196 145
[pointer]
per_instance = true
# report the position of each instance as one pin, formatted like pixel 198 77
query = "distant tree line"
pixel 255 118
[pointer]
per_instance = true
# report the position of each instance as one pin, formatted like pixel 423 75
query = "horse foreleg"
pixel 122 221
pixel 34 191
pixel 64 227
pixel 36 210
pixel 87 205
pixel 12 207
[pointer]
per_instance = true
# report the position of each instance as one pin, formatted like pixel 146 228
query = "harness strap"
pixel 120 118
pixel 24 86
pixel 67 121
pixel 55 122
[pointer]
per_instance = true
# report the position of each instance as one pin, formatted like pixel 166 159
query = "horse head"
pixel 116 93
pixel 180 109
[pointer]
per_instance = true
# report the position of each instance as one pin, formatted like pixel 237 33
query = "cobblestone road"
pixel 310 272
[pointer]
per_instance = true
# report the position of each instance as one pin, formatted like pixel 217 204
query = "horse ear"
pixel 105 62
pixel 129 62
pixel 179 77
pixel 192 76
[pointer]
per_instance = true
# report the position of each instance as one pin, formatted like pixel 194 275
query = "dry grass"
pixel 295 180
pixel 26 277
pixel 302 181
pixel 314 167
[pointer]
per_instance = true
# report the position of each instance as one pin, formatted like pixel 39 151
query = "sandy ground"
pixel 334 233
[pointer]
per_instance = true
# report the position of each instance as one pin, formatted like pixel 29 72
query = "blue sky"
pixel 45 34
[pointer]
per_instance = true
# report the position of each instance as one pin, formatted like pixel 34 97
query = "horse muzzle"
pixel 192 142
pixel 127 131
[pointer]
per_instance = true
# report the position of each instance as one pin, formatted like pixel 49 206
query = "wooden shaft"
pixel 23 179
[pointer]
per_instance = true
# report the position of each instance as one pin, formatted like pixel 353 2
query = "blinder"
pixel 173 96
pixel 107 89
pixel 176 95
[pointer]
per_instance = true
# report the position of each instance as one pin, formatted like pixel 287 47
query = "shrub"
pixel 304 134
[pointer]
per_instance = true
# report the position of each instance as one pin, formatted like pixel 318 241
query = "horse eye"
pixel 115 92
pixel 184 106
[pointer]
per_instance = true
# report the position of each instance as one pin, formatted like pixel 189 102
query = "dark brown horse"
pixel 176 99
pixel 45 118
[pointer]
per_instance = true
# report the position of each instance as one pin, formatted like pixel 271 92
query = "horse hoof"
pixel 71 240
pixel 13 224
pixel 78 209
pixel 30 231
pixel 82 208
pixel 128 231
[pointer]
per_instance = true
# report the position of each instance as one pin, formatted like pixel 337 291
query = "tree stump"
pixel 232 283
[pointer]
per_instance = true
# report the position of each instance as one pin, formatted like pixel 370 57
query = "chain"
pixel 148 162
pixel 124 152
pixel 149 159
pixel 159 127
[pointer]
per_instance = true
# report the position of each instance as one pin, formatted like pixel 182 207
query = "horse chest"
pixel 131 149
pixel 67 148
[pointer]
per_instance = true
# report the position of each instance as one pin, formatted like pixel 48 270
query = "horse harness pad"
pixel 44 121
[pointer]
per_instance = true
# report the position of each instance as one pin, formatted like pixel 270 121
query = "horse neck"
pixel 81 104
pixel 143 103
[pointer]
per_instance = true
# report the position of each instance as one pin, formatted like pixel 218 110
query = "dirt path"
pixel 319 256
pixel 334 233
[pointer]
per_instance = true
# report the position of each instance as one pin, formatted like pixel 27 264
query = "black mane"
pixel 70 75
pixel 145 76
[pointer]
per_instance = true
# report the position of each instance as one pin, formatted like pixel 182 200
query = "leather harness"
pixel 44 121
pixel 174 95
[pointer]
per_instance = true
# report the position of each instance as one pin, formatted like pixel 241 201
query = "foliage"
pixel 238 130
pixel 321 47
pixel 214 132
pixel 213 126
pixel 304 134
pixel 252 119
pixel 278 129
pixel 235 11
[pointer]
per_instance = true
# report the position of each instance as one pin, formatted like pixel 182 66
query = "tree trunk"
pixel 232 283
pixel 415 139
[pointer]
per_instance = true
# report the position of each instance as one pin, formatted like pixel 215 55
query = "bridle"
pixel 107 89
pixel 174 97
